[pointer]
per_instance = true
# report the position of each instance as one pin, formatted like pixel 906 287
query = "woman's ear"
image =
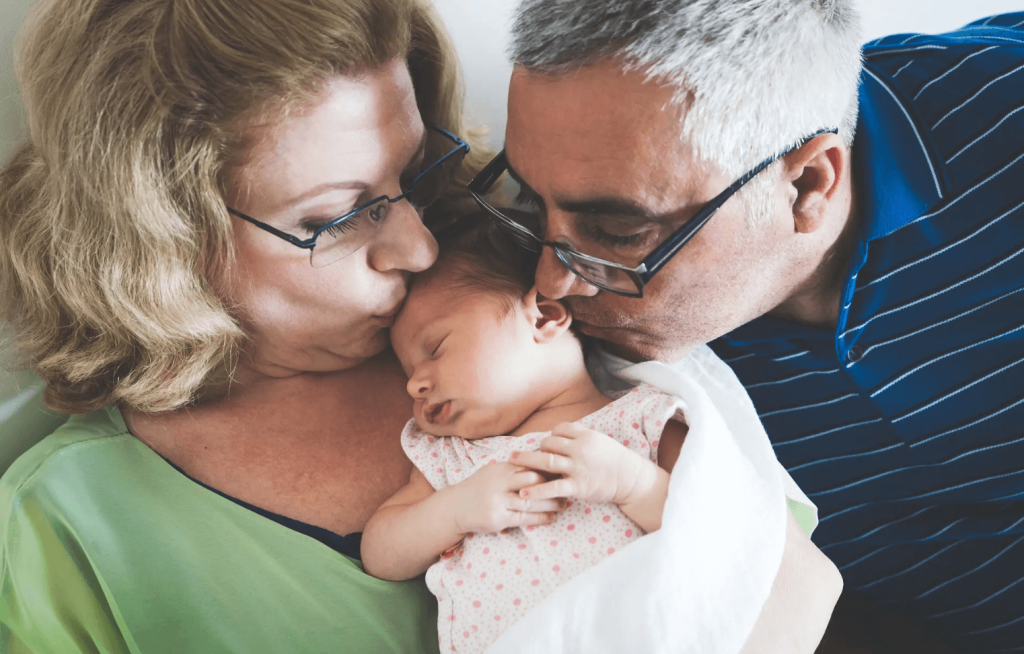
pixel 550 318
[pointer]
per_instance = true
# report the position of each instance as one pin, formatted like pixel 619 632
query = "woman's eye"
pixel 338 229
pixel 378 212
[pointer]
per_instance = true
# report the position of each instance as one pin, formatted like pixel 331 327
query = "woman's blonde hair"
pixel 113 226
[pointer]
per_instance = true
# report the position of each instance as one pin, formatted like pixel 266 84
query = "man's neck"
pixel 816 302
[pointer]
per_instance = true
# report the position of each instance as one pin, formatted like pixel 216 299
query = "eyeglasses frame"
pixel 653 262
pixel 310 243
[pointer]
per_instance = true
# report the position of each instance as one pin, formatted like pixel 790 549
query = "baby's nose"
pixel 419 386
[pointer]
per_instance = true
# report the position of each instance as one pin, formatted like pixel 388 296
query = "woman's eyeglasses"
pixel 342 236
pixel 608 275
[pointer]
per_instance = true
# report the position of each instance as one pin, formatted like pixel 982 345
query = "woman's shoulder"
pixel 72 477
pixel 101 434
pixel 96 523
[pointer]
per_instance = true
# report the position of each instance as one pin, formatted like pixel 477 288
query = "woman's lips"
pixel 388 319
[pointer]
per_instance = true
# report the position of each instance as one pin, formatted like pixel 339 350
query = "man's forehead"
pixel 597 130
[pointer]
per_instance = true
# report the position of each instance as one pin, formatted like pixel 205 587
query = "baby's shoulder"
pixel 647 401
pixel 637 418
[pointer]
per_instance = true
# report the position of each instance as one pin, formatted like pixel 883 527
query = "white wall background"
pixel 480 29
pixel 12 119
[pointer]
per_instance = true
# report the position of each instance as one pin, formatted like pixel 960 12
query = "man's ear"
pixel 550 318
pixel 814 170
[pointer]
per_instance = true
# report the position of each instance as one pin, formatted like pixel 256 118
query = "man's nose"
pixel 556 281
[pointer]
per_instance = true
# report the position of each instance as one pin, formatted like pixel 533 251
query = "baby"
pixel 525 474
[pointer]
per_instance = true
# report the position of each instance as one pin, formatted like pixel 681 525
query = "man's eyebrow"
pixel 599 206
pixel 613 206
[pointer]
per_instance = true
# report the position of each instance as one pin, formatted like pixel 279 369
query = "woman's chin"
pixel 350 355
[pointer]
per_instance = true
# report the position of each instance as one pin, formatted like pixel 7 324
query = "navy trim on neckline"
pixel 347 545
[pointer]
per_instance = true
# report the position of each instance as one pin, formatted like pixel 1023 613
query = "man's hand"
pixel 490 500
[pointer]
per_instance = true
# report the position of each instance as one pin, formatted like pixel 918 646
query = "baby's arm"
pixel 408 532
pixel 411 530
pixel 595 467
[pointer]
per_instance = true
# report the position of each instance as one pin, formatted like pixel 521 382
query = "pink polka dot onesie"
pixel 489 581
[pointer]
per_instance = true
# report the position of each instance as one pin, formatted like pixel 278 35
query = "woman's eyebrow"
pixel 320 189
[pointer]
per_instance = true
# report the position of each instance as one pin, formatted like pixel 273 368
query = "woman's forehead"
pixel 347 139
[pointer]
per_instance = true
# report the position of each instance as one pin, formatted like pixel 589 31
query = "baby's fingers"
pixel 543 461
pixel 524 478
pixel 532 519
pixel 560 488
pixel 517 503
pixel 557 445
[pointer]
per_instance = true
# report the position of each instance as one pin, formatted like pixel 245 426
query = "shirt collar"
pixel 897 178
pixel 898 174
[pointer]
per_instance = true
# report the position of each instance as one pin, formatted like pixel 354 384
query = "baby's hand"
pixel 592 466
pixel 489 500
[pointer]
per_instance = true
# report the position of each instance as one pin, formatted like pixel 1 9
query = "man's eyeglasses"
pixel 342 236
pixel 608 275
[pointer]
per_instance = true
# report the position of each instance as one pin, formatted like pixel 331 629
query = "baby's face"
pixel 472 369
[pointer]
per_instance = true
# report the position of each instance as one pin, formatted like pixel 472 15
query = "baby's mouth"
pixel 437 414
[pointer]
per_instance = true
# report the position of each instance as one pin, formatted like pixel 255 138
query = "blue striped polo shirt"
pixel 905 425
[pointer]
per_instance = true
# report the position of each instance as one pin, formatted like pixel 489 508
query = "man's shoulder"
pixel 959 89
pixel 1005 30
pixel 941 116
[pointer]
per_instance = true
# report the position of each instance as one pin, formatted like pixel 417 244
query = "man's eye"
pixel 599 235
pixel 527 201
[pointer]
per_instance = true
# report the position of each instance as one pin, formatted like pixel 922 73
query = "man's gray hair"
pixel 756 75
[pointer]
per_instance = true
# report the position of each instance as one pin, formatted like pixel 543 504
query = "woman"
pixel 177 269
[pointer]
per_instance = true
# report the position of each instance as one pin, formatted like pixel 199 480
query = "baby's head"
pixel 481 349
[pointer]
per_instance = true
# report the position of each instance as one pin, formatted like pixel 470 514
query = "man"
pixel 866 286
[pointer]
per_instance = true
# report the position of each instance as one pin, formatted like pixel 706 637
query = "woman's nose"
pixel 555 281
pixel 419 386
pixel 403 243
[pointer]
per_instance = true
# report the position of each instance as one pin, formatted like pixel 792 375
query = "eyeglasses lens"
pixel 432 184
pixel 521 235
pixel 604 277
pixel 348 236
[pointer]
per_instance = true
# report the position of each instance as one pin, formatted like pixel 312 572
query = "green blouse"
pixel 104 547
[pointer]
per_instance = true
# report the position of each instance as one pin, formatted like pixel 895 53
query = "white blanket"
pixel 698 584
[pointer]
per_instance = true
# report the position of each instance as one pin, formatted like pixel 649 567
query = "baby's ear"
pixel 550 318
